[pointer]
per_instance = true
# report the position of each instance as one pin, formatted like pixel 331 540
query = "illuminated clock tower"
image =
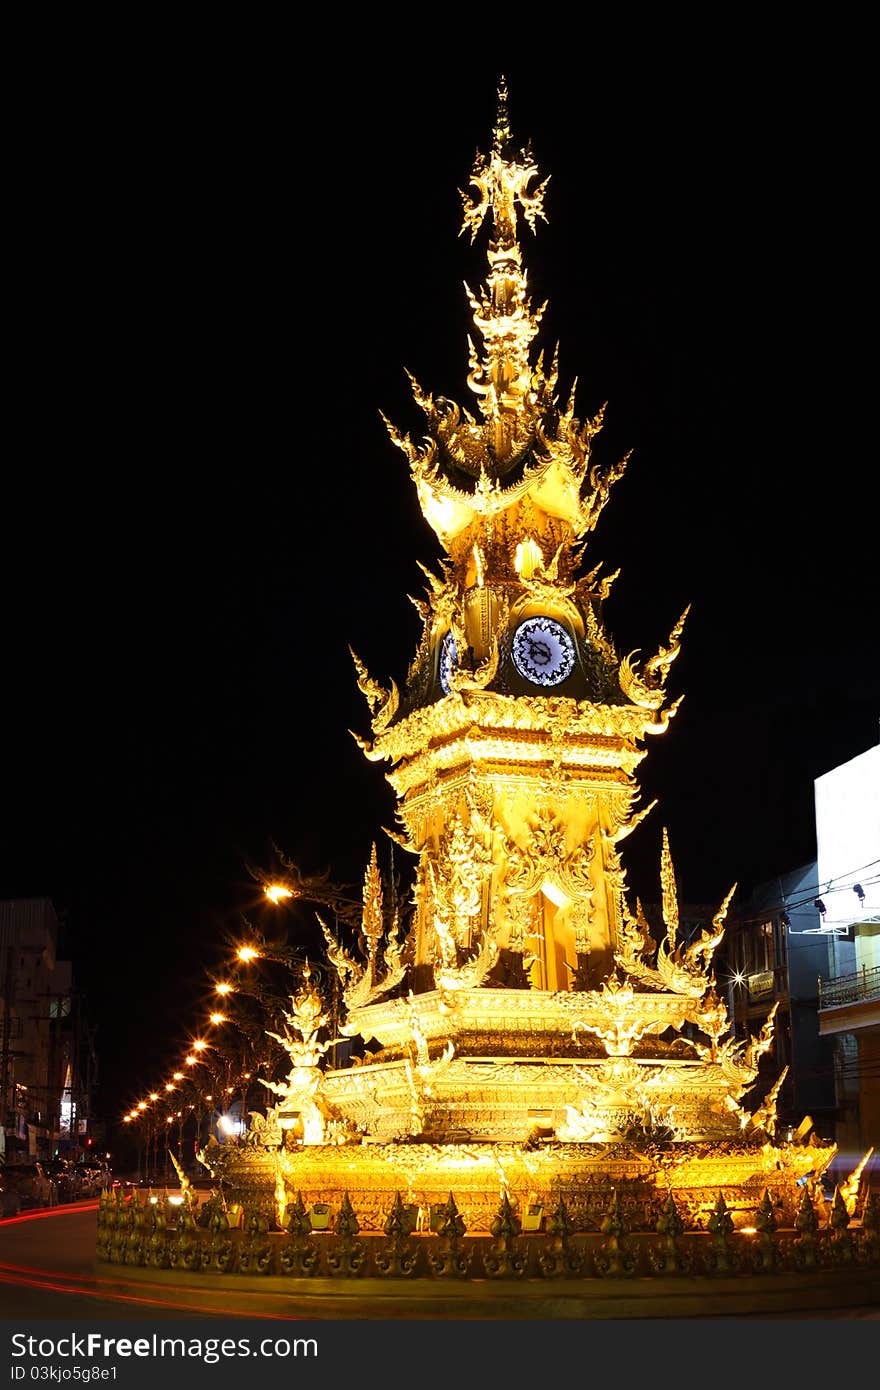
pixel 526 1030
pixel 516 738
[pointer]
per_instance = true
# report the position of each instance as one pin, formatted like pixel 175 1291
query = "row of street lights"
pixel 154 1117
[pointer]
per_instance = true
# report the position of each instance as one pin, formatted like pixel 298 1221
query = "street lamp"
pixel 736 1003
pixel 343 907
pixel 205 1102
pixel 275 892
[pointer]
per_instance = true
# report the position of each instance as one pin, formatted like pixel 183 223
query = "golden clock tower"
pixel 527 1031
pixel 515 741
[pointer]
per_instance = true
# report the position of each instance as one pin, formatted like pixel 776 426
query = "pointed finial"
pixel 501 129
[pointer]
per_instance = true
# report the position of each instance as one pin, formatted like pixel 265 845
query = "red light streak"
pixel 93 1286
pixel 150 1302
pixel 40 1213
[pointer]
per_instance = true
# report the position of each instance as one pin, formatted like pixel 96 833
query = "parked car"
pixel 90 1179
pixel 65 1177
pixel 26 1185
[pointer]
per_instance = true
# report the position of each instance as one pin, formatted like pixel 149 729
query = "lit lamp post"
pixel 169 1120
pixel 217 1020
pixel 142 1115
pixel 139 1120
pixel 152 1140
pixel 197 1058
pixel 245 1084
pixel 178 1077
pixel 201 1101
pixel 131 1119
pixel 736 1002
pixel 205 1108
pixel 277 892
pixel 237 1051
pixel 328 895
pixel 224 1120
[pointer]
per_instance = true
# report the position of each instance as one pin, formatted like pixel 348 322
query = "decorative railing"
pixel 850 989
pixel 135 1233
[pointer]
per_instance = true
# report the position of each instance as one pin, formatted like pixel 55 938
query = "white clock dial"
pixel 543 652
pixel 448 659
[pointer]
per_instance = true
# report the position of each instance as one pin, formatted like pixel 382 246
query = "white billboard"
pixel 848 841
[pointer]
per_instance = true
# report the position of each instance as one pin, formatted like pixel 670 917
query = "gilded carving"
pixel 361 980
pixel 679 967
pixel 301 1094
pixel 647 688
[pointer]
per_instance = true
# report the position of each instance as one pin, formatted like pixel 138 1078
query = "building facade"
pixel 774 960
pixel 46 1063
pixel 806 946
pixel 848 845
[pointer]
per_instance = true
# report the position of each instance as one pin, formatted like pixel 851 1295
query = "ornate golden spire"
pixel 501 131
pixel 501 376
pixel 502 180
pixel 527 445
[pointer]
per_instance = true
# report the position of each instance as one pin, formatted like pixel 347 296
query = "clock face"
pixel 448 659
pixel 543 652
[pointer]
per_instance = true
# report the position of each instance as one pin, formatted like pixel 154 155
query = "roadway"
pixel 46 1271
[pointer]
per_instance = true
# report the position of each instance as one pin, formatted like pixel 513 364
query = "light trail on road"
pixel 40 1213
pixel 96 1286
pixel 16 1279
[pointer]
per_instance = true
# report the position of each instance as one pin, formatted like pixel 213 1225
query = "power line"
pixel 811 891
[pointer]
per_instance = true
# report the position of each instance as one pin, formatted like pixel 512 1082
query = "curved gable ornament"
pixel 545 859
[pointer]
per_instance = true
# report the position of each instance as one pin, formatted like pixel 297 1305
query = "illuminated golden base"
pixel 585 1176
pixel 507 1066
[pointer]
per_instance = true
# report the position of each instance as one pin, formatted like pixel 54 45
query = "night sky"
pixel 203 509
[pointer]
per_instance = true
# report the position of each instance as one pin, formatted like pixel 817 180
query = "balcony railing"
pixel 850 989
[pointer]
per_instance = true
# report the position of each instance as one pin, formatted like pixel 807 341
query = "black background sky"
pixel 225 280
